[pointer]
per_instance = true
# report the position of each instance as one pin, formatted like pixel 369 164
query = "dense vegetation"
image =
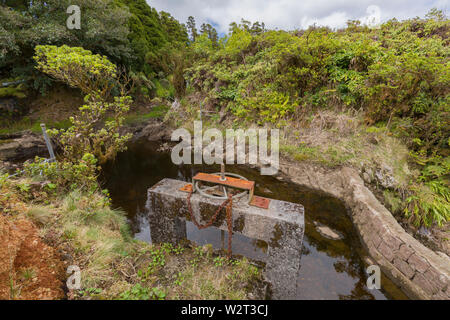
pixel 397 75
pixel 128 32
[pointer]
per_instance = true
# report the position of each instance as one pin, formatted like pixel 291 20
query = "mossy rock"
pixel 17 92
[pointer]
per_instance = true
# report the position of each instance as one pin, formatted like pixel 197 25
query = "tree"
pixel 257 28
pixel 23 25
pixel 192 28
pixel 245 24
pixel 96 129
pixel 233 26
pixel 175 31
pixel 239 41
pixel 254 29
pixel 149 31
pixel 202 47
pixel 78 68
pixel 436 14
pixel 211 33
pixel 173 59
pixel 123 30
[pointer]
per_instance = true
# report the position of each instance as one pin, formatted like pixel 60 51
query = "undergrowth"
pixel 114 265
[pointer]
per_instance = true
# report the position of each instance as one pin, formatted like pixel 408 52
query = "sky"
pixel 295 14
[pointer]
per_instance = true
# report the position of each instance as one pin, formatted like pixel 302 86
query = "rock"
pixel 366 177
pixel 388 169
pixel 208 249
pixel 25 147
pixel 328 232
pixel 385 178
pixel 155 132
pixel 176 105
pixel 368 173
pixel 424 232
pixel 8 167
pixel 442 254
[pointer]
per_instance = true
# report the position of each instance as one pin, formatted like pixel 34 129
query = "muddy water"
pixel 331 268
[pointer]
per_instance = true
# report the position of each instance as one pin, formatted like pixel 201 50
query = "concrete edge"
pixel 417 270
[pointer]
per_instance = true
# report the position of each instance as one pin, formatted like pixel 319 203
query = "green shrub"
pixel 398 75
pixel 429 204
pixel 66 175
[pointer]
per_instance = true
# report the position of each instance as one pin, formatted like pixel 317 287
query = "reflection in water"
pixel 330 269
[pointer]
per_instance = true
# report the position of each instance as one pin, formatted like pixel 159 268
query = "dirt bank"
pixel 29 269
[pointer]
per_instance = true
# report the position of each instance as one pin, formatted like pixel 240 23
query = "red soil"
pixel 29 269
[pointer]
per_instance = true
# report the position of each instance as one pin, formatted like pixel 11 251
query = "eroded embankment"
pixel 29 269
pixel 420 272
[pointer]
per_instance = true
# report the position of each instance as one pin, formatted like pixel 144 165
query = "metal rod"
pixel 48 143
pixel 222 172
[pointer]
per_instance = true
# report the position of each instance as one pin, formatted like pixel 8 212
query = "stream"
pixel 332 264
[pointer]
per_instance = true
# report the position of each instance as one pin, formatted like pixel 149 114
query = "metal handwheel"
pixel 207 191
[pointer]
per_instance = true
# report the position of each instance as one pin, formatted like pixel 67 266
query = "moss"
pixel 156 112
pixel 34 126
pixel 207 211
pixel 6 141
pixel 276 236
pixel 394 203
pixel 239 224
pixel 17 92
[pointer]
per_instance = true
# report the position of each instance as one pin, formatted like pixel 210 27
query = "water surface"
pixel 330 269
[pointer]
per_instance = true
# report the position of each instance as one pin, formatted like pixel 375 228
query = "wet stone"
pixel 281 226
pixel 327 232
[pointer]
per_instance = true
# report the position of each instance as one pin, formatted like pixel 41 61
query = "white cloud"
pixel 294 14
pixel 336 19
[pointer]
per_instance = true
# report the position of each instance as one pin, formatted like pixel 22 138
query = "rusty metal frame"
pixel 187 188
pixel 228 182
pixel 231 182
pixel 260 202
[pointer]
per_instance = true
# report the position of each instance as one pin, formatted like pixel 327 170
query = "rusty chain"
pixel 230 223
pixel 229 217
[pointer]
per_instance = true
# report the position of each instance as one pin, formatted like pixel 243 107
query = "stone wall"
pixel 418 271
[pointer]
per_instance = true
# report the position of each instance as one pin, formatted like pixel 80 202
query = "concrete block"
pixel 281 226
